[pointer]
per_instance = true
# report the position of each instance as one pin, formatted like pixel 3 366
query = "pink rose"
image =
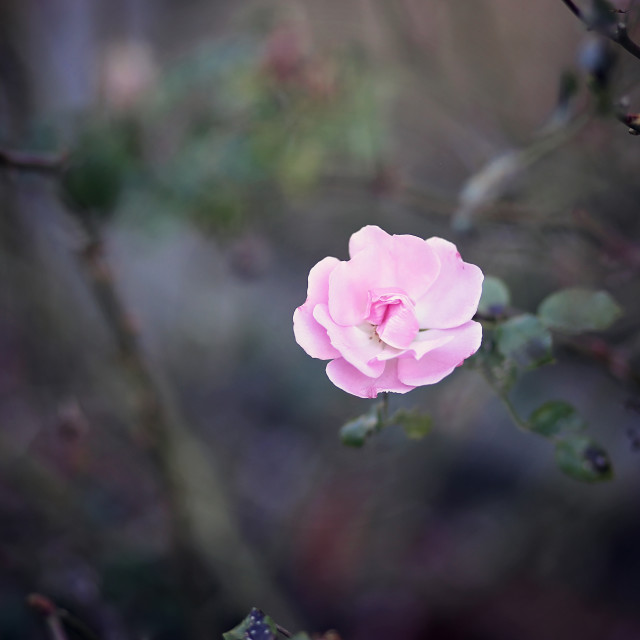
pixel 396 316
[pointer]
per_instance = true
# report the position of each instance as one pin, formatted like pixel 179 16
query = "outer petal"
pixel 407 264
pixel 358 345
pixel 453 298
pixel 318 283
pixel 311 336
pixel 440 362
pixel 350 283
pixel 349 379
pixel 367 237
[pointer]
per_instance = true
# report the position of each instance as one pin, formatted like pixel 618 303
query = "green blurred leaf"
pixel 555 418
pixel 256 625
pixel 416 425
pixel 503 371
pixel 583 459
pixel 301 636
pixel 569 86
pixel 576 310
pixel 95 173
pixel 495 296
pixel 300 165
pixel 525 340
pixel 355 432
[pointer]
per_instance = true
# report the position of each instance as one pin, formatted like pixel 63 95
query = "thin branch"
pixel 169 443
pixel 573 8
pixel 283 631
pixel 621 37
pixel 51 615
pixel 504 398
pixel 38 162
pixel 618 33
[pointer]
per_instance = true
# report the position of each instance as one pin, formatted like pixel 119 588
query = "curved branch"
pixel 618 33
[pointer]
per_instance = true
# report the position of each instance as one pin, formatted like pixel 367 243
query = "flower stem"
pixel 384 412
pixel 506 401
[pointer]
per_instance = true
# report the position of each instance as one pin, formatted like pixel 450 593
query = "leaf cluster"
pixel 259 626
pixel 517 342
pixel 415 424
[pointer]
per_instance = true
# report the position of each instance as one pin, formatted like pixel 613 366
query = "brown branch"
pixel 50 613
pixel 621 36
pixel 618 33
pixel 573 8
pixel 196 543
pixel 283 631
pixel 37 162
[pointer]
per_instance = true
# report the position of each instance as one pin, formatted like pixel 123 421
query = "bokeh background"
pixel 169 457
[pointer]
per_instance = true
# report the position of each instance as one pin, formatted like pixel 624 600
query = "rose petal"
pixel 349 286
pixel 358 345
pixel 453 298
pixel 318 282
pixel 440 362
pixel 367 237
pixel 416 265
pixel 429 340
pixel 311 336
pixel 400 327
pixel 407 264
pixel 346 377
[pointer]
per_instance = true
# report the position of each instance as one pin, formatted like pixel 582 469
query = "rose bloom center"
pixel 392 315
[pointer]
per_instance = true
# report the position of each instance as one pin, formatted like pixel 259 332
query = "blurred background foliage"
pixel 169 457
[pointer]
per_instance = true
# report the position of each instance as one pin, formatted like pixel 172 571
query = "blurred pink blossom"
pixel 395 316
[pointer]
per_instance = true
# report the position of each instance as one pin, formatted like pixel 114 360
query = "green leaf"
pixel 503 371
pixel 355 432
pixel 301 635
pixel 416 425
pixel 525 340
pixel 495 296
pixel 96 170
pixel 555 418
pixel 256 624
pixel 576 310
pixel 583 459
